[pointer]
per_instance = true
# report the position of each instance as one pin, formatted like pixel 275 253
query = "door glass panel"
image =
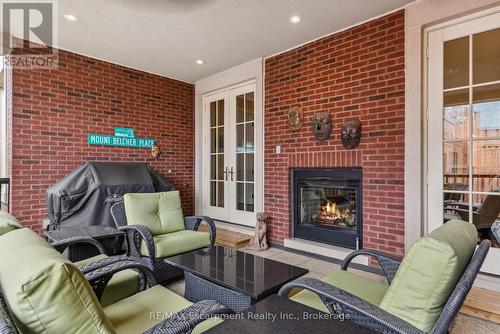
pixel 220 112
pixel 486 109
pixel 249 107
pixel 249 167
pixel 245 146
pixel 213 193
pixel 455 157
pixel 240 167
pixel 456 206
pixel 485 165
pixel 213 140
pixel 240 109
pixel 240 196
pixel 249 142
pixel 217 166
pixel 471 132
pixel 486 55
pixel 249 197
pixel 213 166
pixel 240 138
pixel 456 63
pixel 213 114
pixel 452 194
pixel 456 114
pixel 220 139
pixel 220 194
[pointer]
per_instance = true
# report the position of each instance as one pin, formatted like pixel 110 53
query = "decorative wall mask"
pixel 351 134
pixel 155 151
pixel 295 118
pixel 322 125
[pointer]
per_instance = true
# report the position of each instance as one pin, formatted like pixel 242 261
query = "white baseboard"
pixel 324 250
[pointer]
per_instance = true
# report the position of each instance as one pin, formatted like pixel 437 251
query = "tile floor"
pixel 317 268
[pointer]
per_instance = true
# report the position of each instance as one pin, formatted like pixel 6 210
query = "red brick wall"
pixel 54 110
pixel 358 73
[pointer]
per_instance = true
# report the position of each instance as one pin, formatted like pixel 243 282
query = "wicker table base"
pixel 198 289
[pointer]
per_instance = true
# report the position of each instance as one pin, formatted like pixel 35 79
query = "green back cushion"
pixel 45 292
pixel 428 274
pixel 160 212
pixel 8 223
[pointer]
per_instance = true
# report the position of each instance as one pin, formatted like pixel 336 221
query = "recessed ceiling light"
pixel 200 62
pixel 295 19
pixel 70 17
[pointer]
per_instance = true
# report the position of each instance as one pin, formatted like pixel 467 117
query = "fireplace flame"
pixel 330 212
pixel 331 208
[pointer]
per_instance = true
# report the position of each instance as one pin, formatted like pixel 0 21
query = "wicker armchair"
pixel 51 304
pixel 121 285
pixel 137 234
pixel 99 273
pixel 341 302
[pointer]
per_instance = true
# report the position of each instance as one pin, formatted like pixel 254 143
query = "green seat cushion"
pixel 429 272
pixel 144 310
pixel 122 285
pixel 8 223
pixel 46 292
pixel 160 212
pixel 362 287
pixel 177 243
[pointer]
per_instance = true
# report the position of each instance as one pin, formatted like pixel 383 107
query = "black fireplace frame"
pixel 330 235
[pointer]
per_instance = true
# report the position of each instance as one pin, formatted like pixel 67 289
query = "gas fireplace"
pixel 327 205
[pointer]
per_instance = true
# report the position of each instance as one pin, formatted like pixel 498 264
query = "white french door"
pixel 463 130
pixel 232 155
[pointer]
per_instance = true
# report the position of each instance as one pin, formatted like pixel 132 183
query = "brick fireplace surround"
pixel 357 73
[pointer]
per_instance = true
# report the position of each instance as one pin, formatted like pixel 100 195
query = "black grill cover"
pixel 84 197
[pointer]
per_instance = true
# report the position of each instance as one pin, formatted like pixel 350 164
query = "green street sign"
pixel 124 132
pixel 95 139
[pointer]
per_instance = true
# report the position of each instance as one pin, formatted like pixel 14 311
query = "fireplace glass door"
pixel 325 205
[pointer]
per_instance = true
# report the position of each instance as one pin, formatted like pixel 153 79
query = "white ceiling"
pixel 166 37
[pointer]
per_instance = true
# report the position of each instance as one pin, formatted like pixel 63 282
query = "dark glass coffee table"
pixel 232 277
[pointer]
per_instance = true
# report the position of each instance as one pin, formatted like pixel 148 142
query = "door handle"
pixel 225 173
pixel 232 173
